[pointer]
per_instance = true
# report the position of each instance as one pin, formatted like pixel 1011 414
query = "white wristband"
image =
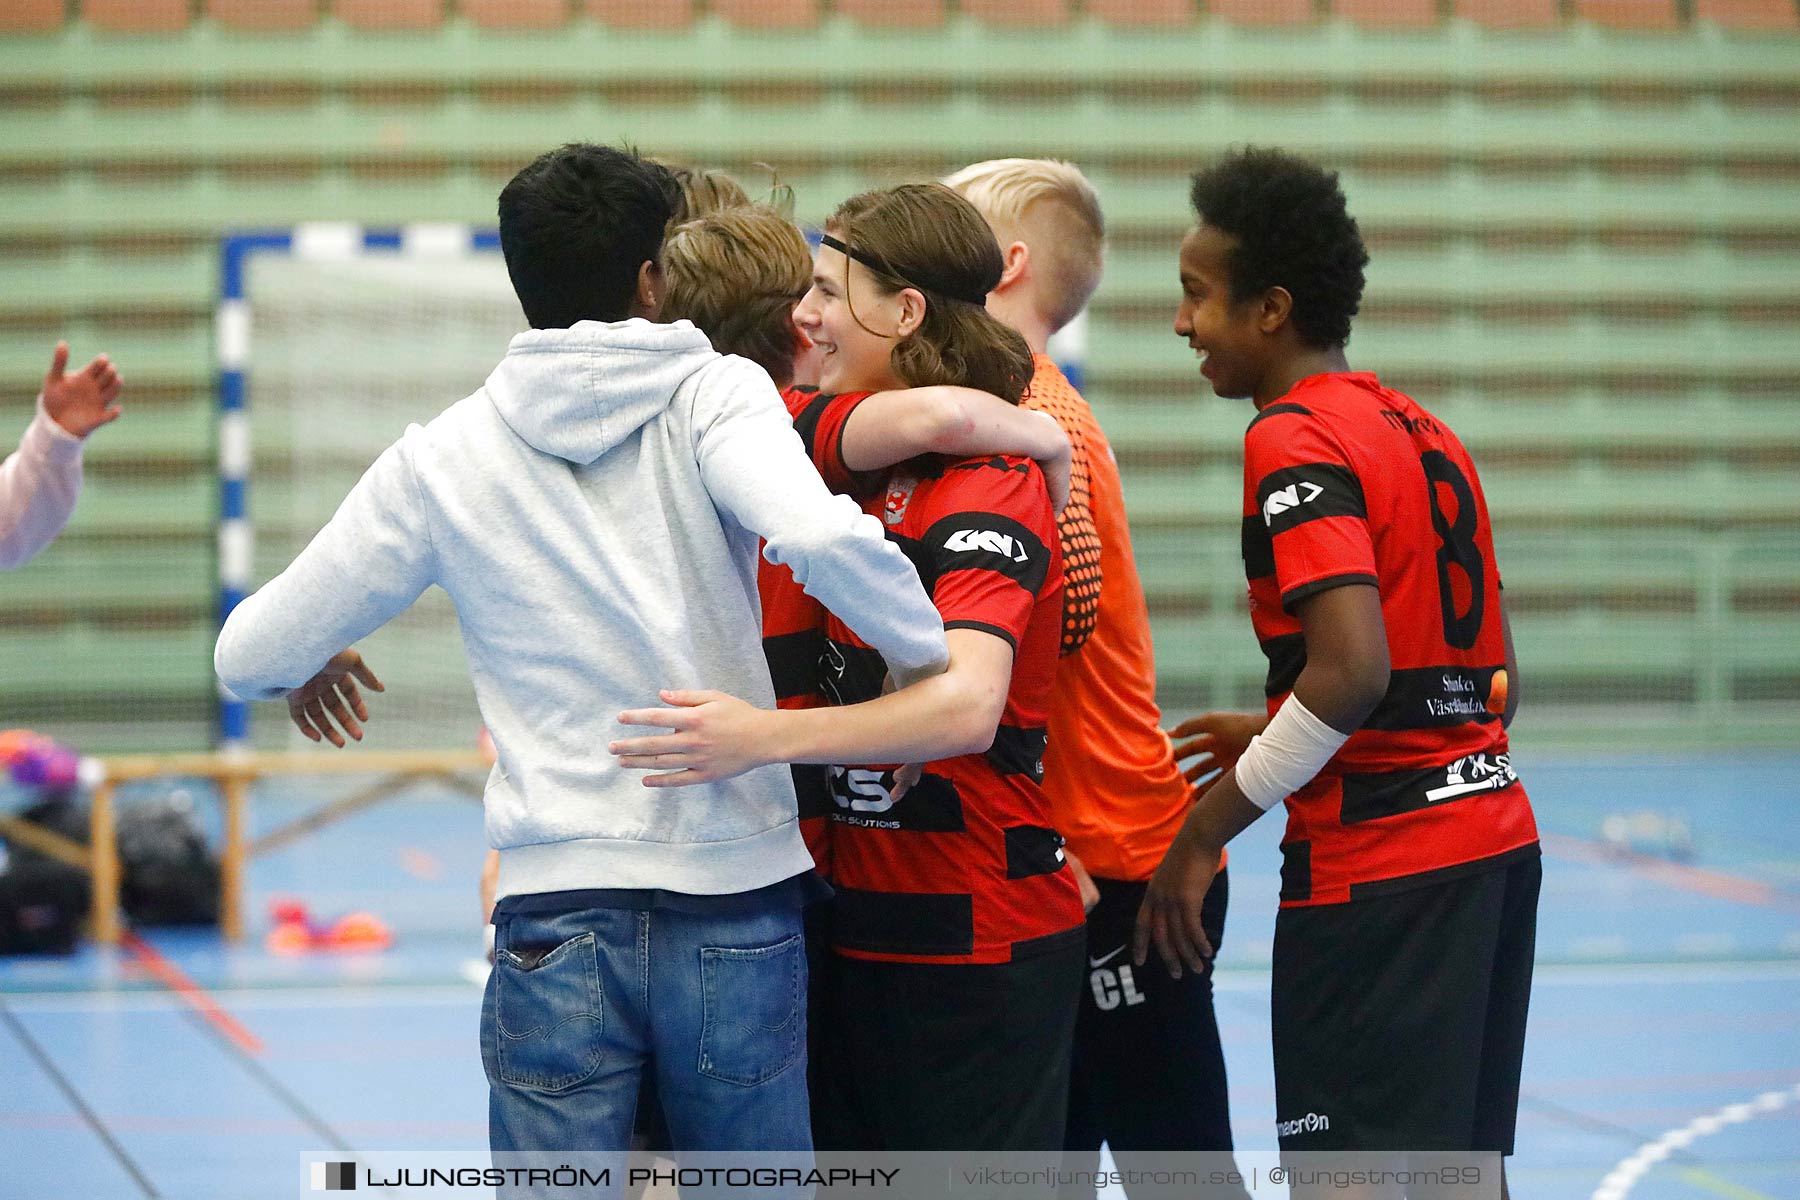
pixel 1283 758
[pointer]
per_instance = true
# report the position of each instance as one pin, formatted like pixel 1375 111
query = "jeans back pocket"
pixel 548 1017
pixel 754 1018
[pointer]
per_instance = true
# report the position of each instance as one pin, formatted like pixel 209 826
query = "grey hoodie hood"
pixel 578 392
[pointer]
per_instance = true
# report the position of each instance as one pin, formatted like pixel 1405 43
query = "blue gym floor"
pixel 1663 1061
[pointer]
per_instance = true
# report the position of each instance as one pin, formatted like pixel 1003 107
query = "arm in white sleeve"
pixel 39 485
pixel 1287 755
pixel 755 468
pixel 366 566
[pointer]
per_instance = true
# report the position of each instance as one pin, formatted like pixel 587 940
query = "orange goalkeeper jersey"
pixel 1115 791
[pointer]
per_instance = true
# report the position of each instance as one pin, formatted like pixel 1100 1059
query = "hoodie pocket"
pixel 548 1017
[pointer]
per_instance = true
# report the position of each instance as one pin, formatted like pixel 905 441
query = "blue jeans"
pixel 579 1003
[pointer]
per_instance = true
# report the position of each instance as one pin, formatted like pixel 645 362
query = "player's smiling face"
pixel 1226 334
pixel 840 313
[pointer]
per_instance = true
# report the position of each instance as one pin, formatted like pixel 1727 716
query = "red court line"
pixel 1717 884
pixel 173 978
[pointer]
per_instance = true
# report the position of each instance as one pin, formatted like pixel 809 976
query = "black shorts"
pixel 1399 1020
pixel 912 1056
pixel 1149 1070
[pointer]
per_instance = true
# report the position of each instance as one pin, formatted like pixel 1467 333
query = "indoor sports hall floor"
pixel 1663 1063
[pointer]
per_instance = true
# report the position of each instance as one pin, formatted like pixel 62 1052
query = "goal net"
pixel 345 338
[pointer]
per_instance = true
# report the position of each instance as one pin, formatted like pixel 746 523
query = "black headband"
pixel 915 279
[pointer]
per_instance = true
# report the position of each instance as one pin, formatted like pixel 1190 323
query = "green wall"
pixel 1586 258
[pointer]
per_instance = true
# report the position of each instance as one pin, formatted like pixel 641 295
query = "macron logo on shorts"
pixel 1310 1123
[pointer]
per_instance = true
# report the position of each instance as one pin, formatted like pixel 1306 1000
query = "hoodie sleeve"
pixel 755 468
pixel 366 566
pixel 39 484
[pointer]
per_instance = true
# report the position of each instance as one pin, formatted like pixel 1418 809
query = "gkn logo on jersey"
pixel 1003 544
pixel 1291 496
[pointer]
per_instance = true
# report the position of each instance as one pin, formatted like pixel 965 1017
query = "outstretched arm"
pixel 365 567
pixel 716 736
pixel 41 482
pixel 891 427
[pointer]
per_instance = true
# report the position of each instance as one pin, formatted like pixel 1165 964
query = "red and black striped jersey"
pixel 793 625
pixel 965 867
pixel 1345 482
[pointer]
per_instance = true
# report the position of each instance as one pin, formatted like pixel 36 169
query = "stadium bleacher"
pixel 1584 219
pixel 157 16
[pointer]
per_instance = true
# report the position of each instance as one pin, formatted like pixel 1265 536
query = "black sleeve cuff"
pixel 1296 595
pixel 1004 635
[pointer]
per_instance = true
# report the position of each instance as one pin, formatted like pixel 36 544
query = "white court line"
pixel 1618 1184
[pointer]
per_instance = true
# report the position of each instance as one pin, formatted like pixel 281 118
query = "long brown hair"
pixel 737 274
pixel 925 236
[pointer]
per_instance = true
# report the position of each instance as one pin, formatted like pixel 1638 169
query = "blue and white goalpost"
pixel 331 339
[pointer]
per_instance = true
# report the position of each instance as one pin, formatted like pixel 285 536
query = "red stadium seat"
pixel 378 15
pixel 639 14
pixel 1263 12
pixel 1026 13
pixel 1509 14
pixel 264 16
pixel 906 14
pixel 769 14
pixel 1630 14
pixel 136 16
pixel 31 16
pixel 1388 14
pixel 1756 15
pixel 517 14
pixel 1144 12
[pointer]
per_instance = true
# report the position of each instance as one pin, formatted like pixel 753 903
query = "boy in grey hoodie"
pixel 593 511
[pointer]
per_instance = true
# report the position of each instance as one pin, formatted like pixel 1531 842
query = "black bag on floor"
pixel 43 900
pixel 171 874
